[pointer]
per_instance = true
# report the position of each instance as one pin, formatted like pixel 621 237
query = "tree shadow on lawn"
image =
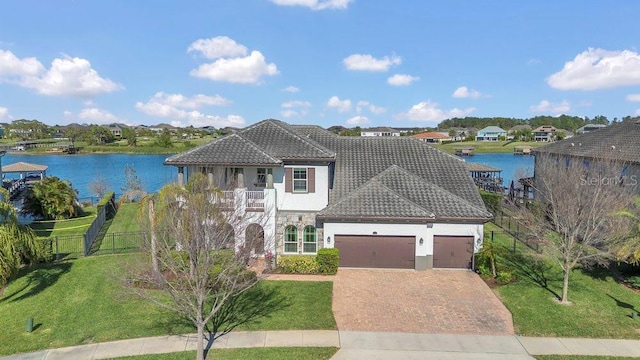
pixel 624 305
pixel 38 278
pixel 533 269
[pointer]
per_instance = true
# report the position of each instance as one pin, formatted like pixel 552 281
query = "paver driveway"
pixel 432 301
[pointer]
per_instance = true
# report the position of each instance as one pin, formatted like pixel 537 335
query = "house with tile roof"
pixel 618 142
pixel 380 131
pixel 432 137
pixel 491 133
pixel 384 202
pixel 545 133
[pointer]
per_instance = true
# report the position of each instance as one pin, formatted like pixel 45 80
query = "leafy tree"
pixel 100 135
pixel 351 132
pixel 130 135
pixel 164 139
pixel 73 133
pixel 28 129
pixel 52 198
pixel 575 213
pixel 18 243
pixel 188 270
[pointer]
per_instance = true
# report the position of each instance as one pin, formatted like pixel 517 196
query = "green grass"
pixel 126 219
pixel 81 301
pixel 601 306
pixel 489 146
pixel 76 226
pixel 274 353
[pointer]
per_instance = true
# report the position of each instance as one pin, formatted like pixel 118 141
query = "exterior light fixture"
pixel 429 225
pixel 421 241
pixel 328 239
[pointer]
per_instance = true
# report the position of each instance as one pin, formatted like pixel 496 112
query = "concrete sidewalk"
pixel 357 345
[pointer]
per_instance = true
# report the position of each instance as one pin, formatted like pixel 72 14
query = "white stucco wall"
pixel 417 230
pixel 302 201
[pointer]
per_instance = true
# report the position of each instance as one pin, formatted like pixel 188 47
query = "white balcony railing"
pixel 255 200
pixel 227 199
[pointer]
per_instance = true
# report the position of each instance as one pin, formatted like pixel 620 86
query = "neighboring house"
pixel 491 133
pixel 115 129
pixel 432 137
pixel 545 133
pixel 386 203
pixel 590 127
pixel 619 141
pixel 379 131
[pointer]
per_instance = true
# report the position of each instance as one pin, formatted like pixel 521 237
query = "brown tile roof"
pixel 431 135
pixel 23 167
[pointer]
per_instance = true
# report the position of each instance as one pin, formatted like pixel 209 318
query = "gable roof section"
pixel 229 150
pixel 283 142
pixel 619 141
pixel 397 193
pixel 431 135
pixel 492 129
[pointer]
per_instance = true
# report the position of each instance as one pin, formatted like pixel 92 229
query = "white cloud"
pixel 598 69
pixel 369 106
pixel 358 120
pixel 180 109
pixel 365 62
pixel 315 4
pixel 98 116
pixel 465 92
pixel 67 76
pixel 637 113
pixel 218 47
pixel 548 107
pixel 633 97
pixel 4 113
pixel 401 79
pixel 291 89
pixel 295 108
pixel 243 70
pixel 189 102
pixel 428 111
pixel 340 105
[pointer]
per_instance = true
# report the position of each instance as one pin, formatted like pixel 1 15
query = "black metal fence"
pixel 513 227
pixel 73 246
pixel 93 232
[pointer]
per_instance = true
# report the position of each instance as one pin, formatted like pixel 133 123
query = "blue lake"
pixel 81 170
pixel 513 166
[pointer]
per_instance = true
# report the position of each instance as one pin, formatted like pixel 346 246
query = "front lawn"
pixel 601 307
pixel 273 353
pixel 82 301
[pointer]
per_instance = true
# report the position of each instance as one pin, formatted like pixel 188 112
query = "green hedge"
pixel 108 200
pixel 328 261
pixel 298 264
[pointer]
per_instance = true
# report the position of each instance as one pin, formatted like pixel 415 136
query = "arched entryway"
pixel 254 239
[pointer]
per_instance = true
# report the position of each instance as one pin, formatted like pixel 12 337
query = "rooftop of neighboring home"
pixel 590 127
pixel 431 135
pixel 620 141
pixel 379 129
pixel 545 129
pixel 492 129
pixel 373 178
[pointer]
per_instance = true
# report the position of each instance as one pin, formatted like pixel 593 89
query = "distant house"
pixel 545 133
pixel 491 133
pixel 590 127
pixel 432 137
pixel 379 131
pixel 115 129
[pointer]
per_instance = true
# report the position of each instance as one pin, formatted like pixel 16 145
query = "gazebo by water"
pixel 26 170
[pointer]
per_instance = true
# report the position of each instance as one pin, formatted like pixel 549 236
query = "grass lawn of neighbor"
pixel 274 353
pixel 488 146
pixel 126 219
pixel 602 307
pixel 82 301
pixel 76 226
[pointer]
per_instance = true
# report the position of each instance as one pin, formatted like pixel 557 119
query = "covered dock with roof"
pixel 486 177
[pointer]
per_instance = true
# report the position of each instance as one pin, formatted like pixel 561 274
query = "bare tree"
pixel 575 213
pixel 132 189
pixel 194 259
pixel 99 186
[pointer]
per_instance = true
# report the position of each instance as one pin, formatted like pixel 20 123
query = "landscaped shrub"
pixel 109 202
pixel 633 281
pixel 328 260
pixel 298 264
pixel 492 201
pixel 505 277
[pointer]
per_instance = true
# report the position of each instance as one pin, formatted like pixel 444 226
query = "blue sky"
pixel 327 62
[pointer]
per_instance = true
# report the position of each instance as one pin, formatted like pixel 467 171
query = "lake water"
pixel 513 166
pixel 81 170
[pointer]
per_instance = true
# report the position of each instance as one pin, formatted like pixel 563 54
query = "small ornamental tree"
pixel 194 266
pixel 576 212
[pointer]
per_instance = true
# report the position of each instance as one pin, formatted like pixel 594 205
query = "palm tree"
pixel 52 198
pixel 18 243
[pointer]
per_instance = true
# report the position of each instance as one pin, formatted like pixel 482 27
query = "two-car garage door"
pixel 373 251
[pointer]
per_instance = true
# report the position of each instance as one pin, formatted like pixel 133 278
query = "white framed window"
pixel 300 180
pixel 261 177
pixel 309 240
pixel 290 239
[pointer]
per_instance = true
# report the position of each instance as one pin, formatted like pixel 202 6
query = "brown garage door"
pixel 370 251
pixel 452 251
